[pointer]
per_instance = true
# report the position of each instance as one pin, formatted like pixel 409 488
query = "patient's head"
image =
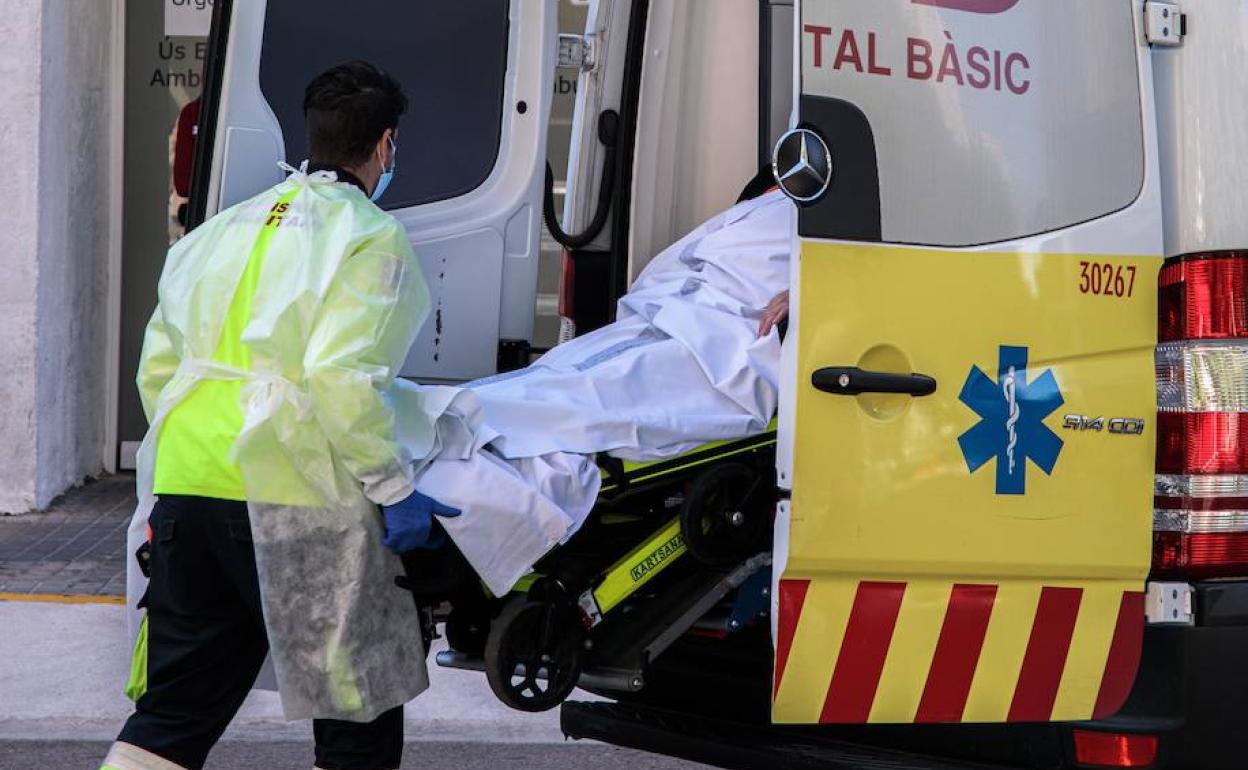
pixel 763 181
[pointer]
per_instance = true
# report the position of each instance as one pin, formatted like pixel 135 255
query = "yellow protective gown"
pixel 337 303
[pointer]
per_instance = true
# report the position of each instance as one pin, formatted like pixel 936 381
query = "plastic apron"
pixel 339 301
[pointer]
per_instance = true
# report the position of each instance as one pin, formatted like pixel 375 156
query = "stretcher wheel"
pixel 533 654
pixel 721 519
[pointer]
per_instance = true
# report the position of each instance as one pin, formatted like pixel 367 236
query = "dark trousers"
pixel 206 644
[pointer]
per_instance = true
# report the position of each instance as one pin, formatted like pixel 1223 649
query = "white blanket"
pixel 682 365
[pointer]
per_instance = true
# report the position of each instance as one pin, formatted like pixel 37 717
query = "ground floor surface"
pixel 64 658
pixel 76 547
pixel 235 755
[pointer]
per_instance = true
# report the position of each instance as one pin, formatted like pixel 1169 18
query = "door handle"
pixel 851 381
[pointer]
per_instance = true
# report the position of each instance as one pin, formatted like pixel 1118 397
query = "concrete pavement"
pixel 250 755
pixel 63 667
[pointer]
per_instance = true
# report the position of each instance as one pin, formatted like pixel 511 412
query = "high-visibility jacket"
pixel 266 376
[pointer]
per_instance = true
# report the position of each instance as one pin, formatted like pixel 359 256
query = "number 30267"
pixel 1106 279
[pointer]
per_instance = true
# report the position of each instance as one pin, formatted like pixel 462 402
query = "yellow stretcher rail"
pixel 640 566
pixel 639 472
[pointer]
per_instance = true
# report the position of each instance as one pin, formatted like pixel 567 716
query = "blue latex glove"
pixel 409 523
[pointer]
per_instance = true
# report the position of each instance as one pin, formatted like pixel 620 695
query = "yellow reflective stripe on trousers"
pixel 137 685
pixel 193 451
pixel 125 756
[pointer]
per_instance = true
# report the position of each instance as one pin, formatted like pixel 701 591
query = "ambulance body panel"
pixel 1201 115
pixel 969 554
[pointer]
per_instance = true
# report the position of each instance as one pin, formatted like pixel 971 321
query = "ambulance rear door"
pixel 471 148
pixel 967 417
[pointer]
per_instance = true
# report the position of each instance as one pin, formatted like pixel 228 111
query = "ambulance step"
pixel 732 745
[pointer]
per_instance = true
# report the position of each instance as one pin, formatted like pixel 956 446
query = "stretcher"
pixel 672 547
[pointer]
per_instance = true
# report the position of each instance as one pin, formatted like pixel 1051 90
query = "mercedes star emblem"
pixel 802 165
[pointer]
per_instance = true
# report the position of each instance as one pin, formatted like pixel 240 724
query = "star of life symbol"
pixel 1011 427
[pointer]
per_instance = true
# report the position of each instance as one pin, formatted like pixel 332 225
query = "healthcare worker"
pixel 265 371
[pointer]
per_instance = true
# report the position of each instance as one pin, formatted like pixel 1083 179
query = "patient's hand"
pixel 775 312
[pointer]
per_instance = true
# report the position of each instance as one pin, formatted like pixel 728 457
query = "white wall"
pixel 54 235
pixel 19 215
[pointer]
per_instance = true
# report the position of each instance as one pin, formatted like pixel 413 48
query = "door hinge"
pixel 578 52
pixel 1169 604
pixel 1165 24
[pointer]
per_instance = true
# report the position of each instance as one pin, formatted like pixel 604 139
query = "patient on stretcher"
pixel 693 357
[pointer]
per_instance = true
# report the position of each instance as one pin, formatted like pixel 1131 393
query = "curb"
pixel 62 598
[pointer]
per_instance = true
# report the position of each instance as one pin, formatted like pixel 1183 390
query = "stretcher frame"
pixel 621 651
pixel 666 546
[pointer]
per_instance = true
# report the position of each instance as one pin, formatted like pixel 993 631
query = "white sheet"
pixel 681 366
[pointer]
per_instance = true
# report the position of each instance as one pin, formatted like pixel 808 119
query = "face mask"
pixel 387 174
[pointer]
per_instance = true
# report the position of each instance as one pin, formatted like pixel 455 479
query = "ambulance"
pixel 1012 462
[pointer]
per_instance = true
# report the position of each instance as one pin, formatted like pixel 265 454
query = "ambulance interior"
pixel 677 107
pixel 707 98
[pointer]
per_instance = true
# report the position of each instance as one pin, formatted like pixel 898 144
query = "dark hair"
pixel 347 108
pixel 763 181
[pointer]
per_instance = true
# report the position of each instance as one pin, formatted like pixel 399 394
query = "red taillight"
pixel 1207 554
pixel 1096 749
pixel 1200 521
pixel 1204 298
pixel 1202 442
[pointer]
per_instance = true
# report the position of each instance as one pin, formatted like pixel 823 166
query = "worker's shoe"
pixel 124 756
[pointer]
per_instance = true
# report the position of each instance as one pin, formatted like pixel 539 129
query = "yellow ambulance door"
pixel 966 423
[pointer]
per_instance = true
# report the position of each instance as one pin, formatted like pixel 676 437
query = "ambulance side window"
pixel 956 128
pixel 451 59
